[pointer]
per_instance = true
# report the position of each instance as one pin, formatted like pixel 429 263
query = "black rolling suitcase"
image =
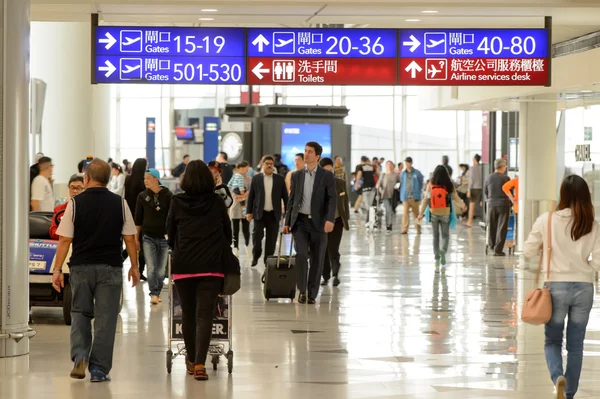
pixel 280 276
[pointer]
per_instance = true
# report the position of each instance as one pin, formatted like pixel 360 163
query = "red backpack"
pixel 439 197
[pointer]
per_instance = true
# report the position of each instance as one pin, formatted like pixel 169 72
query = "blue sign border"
pixel 353 47
pixel 470 50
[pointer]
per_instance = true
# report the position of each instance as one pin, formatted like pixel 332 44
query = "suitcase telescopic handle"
pixel 281 244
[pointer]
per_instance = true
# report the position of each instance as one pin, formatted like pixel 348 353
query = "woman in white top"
pixel 117 180
pixel 575 236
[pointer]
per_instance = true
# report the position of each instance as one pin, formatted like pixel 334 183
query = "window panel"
pixel 373 112
pixel 369 90
pixel 194 90
pixel 323 101
pixel 139 91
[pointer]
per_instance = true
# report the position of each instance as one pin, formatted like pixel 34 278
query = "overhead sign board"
pixel 170 55
pixel 322 56
pixel 477 57
pixel 309 56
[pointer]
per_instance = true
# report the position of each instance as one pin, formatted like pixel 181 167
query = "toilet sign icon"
pixel 284 71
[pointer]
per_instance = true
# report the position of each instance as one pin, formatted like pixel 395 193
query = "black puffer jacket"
pixel 199 232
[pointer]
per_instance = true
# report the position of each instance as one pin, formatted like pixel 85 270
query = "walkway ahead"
pixel 393 329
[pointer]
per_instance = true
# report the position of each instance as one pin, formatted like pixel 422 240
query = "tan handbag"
pixel 537 308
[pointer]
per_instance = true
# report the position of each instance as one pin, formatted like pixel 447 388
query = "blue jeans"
pixel 574 300
pixel 440 223
pixel 389 211
pixel 156 251
pixel 96 295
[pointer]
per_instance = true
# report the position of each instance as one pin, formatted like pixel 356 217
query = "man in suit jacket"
pixel 267 190
pixel 334 239
pixel 310 217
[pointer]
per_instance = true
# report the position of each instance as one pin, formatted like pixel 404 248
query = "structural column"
pixel 14 190
pixel 537 158
pixel 76 114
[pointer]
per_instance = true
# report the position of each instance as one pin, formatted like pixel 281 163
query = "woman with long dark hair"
pixel 199 232
pixel 440 196
pixel 575 236
pixel 134 185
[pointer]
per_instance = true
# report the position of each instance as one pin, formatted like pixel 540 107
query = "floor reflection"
pixel 394 328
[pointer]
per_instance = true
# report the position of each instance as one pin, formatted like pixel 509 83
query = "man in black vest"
pixel 267 190
pixel 95 223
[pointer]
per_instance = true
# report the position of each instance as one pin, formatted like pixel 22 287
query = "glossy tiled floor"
pixel 393 329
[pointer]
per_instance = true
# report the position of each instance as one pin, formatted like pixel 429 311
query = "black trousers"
pixel 306 236
pixel 141 259
pixel 236 231
pixel 198 297
pixel 498 226
pixel 269 223
pixel 332 255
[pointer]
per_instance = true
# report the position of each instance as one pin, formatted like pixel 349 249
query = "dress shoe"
pixel 325 283
pixel 499 254
pixel 302 299
pixel 254 262
pixel 336 281
pixel 312 301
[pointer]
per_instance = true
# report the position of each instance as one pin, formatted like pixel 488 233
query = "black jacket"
pixel 151 211
pixel 324 198
pixel 199 233
pixel 256 196
pixel 226 172
pixel 178 170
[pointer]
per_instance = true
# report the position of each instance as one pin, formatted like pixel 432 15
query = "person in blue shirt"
pixel 411 194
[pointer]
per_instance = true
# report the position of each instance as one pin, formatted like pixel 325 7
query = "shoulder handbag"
pixel 537 308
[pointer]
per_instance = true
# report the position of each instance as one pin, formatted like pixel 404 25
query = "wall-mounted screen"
pixel 294 136
pixel 184 133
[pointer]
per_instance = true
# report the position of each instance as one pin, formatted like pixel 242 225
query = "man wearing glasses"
pixel 267 192
pixel 75 188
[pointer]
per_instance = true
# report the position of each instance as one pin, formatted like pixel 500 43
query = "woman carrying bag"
pixel 202 262
pixel 568 236
pixel 439 209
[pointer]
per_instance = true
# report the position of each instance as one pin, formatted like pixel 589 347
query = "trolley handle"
pixel 280 245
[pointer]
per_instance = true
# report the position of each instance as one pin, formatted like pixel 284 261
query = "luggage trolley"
pixel 221 334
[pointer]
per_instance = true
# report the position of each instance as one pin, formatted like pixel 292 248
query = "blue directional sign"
pixel 474 43
pixel 319 43
pixel 170 55
pixel 202 42
pixel 156 69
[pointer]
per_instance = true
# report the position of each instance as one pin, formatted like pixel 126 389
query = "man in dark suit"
pixel 310 217
pixel 334 239
pixel 267 190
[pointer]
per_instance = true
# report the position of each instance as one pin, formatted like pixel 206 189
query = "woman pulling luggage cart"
pixel 199 233
pixel 221 330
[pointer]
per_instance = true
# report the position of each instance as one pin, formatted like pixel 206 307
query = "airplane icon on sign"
pixel 283 42
pixel 129 68
pixel 435 43
pixel 434 71
pixel 130 40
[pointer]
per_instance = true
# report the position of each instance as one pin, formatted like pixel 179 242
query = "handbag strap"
pixel 548 250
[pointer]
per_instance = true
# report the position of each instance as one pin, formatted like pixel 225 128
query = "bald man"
pixel 95 223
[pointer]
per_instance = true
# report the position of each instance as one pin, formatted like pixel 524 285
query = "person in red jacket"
pixel 75 187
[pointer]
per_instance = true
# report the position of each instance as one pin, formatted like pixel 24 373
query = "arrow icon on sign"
pixel 258 70
pixel 109 69
pixel 260 41
pixel 109 41
pixel 413 68
pixel 414 43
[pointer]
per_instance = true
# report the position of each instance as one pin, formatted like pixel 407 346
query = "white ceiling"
pixel 572 18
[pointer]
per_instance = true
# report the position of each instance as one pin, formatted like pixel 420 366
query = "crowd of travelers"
pixel 114 205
